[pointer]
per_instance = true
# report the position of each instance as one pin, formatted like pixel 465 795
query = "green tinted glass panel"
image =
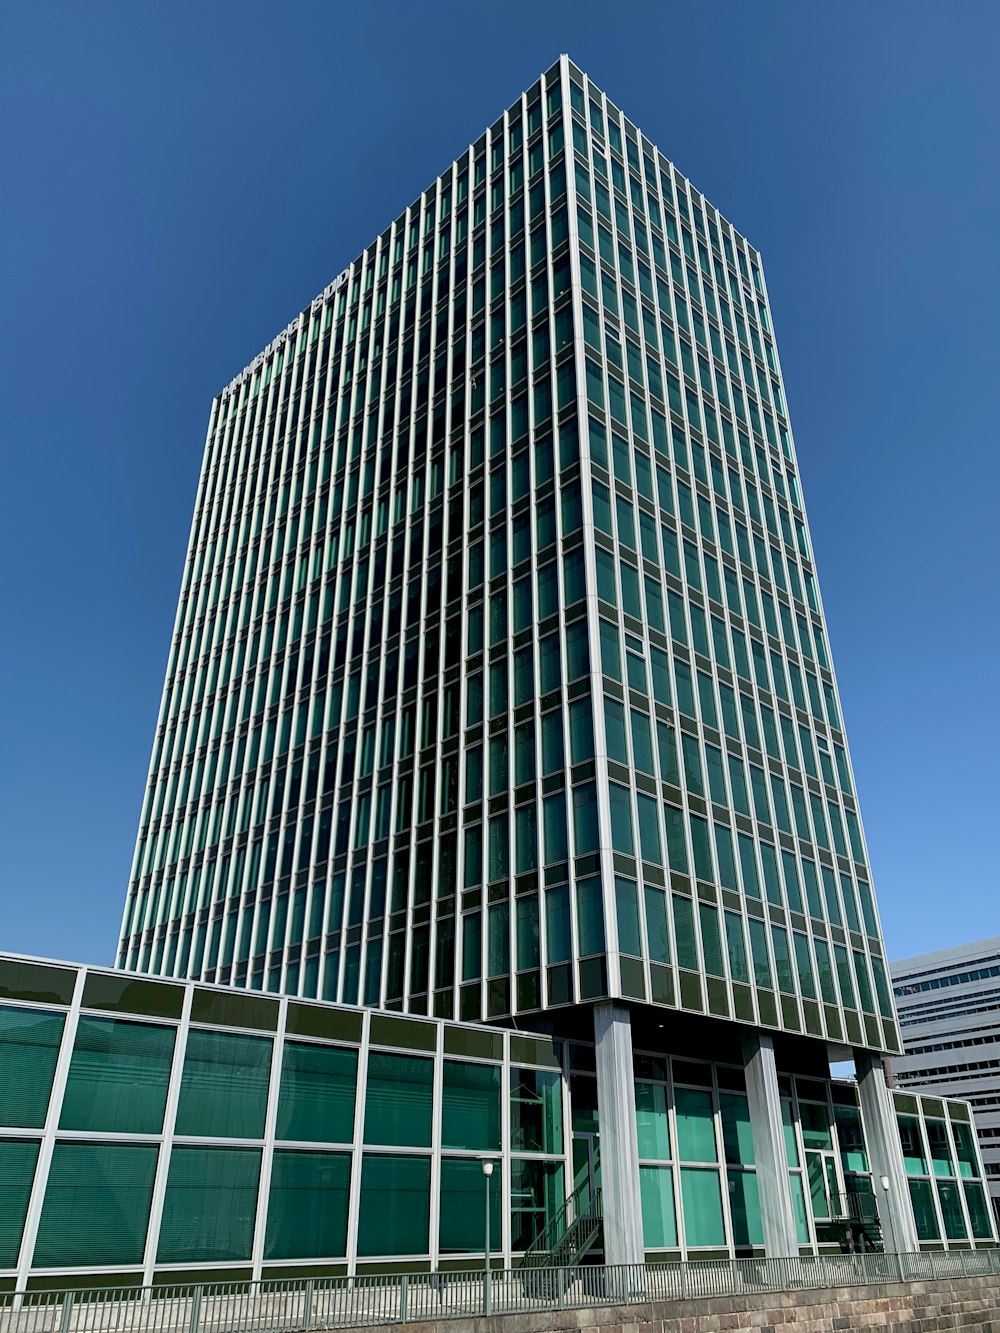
pixel 979 1213
pixel 470 1115
pixel 702 1203
pixel 737 1138
pixel 788 1126
pixel 209 1206
pixel 224 1085
pixel 815 1125
pixel 398 1103
pixel 125 994
pixel 17 1171
pixel 950 1198
pixel 536 1123
pixel 817 1167
pixel 913 1149
pixel 307 1206
pixel 118 1077
pixel 695 1127
pixel 744 1208
pixel 316 1098
pixel 656 1192
pixel 96 1205
pixel 234 1009
pixel 35 982
pixel 965 1148
pixel 583 1100
pixel 651 1121
pixel 463 1207
pixel 937 1137
pixel 395 1205
pixel 852 1142
pixel 536 1195
pixel 29 1047
pixel 924 1214
pixel 799 1207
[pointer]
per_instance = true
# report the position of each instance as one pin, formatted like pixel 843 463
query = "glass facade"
pixel 199 1129
pixel 945 1174
pixel 353 1141
pixel 499 689
pixel 947 1003
pixel 500 679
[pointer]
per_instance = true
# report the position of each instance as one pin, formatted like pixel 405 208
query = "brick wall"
pixel 971 1305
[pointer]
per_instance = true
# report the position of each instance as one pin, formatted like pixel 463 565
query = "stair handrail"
pixel 858 1205
pixel 551 1234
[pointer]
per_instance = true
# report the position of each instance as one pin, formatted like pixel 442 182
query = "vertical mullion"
pixel 267 1153
pixel 437 1118
pixel 354 1200
pixel 167 1137
pixel 44 1161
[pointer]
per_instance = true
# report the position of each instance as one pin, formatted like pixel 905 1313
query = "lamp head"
pixel 487 1169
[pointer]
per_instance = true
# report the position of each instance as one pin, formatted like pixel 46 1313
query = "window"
pixel 621 819
pixel 651 1121
pixel 316 1101
pixel 224 1085
pixel 471 1106
pixel 17 1169
pixel 536 1111
pixel 536 1196
pixel 307 1208
pixel 462 1221
pixel 29 1047
pixel 118 1077
pixel 398 1100
pixel 702 1207
pixel 210 1205
pixel 695 1126
pixel 395 1205
pixel 656 1192
pixel 96 1205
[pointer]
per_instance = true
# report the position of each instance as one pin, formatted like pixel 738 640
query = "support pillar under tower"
pixel 776 1208
pixel 623 1243
pixel 885 1152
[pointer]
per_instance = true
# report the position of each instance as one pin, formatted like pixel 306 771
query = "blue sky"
pixel 179 180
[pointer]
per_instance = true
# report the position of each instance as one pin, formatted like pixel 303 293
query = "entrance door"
pixel 824 1185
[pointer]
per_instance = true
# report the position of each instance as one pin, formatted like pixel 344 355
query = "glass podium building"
pixel 500 703
pixel 157 1132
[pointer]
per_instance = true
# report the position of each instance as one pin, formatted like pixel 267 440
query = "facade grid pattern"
pixel 949 1014
pixel 500 678
pixel 155 1132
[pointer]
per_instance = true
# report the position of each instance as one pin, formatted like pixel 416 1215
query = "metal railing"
pixel 349 1302
pixel 858 1206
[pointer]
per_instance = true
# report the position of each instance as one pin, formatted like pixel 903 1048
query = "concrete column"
pixel 619 1140
pixel 885 1156
pixel 776 1208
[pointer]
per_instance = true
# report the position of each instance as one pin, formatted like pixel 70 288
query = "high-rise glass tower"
pixel 500 691
pixel 500 679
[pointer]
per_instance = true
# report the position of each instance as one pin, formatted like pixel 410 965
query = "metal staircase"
pixel 574 1230
pixel 857 1213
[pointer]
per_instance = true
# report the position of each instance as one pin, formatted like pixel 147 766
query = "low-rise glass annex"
pixel 153 1130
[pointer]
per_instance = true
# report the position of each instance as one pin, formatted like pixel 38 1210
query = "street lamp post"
pixel 487 1285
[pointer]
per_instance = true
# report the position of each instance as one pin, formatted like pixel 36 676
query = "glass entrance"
pixel 823 1185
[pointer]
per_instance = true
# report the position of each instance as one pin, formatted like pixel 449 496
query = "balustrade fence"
pixel 314 1304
